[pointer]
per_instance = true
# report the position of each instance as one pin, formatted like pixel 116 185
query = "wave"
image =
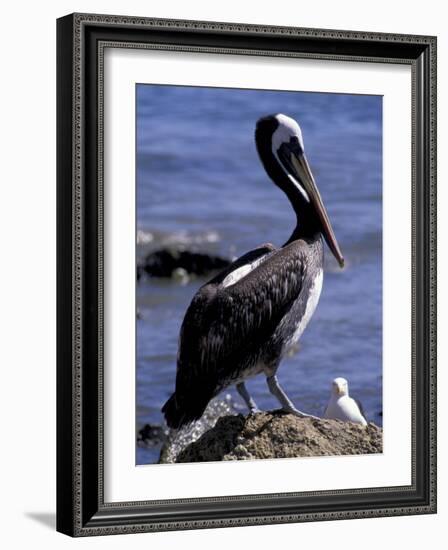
pixel 182 237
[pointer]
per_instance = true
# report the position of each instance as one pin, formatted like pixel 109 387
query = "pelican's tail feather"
pixel 180 413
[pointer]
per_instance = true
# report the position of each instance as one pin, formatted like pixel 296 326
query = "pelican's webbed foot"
pixel 286 403
pixel 300 414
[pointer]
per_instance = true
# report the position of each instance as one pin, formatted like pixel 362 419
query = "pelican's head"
pixel 280 146
pixel 339 387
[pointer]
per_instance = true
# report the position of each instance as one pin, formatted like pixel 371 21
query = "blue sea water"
pixel 200 183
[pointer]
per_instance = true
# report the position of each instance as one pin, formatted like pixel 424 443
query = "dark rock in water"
pixel 177 441
pixel 165 262
pixel 279 435
pixel 152 435
pixel 139 272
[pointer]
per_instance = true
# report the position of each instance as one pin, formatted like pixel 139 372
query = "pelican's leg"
pixel 242 390
pixel 286 403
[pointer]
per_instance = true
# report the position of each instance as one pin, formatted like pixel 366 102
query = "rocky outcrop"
pixel 279 435
pixel 177 262
pixel 178 440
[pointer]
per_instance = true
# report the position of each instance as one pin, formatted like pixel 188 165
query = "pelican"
pixel 243 321
pixel 341 406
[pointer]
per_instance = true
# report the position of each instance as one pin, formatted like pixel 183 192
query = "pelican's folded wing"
pixel 222 323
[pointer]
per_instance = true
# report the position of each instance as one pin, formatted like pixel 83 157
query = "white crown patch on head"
pixel 287 128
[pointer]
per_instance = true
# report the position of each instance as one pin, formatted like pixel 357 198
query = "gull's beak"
pixel 337 389
pixel 294 159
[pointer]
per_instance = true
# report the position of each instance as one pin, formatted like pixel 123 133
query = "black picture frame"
pixel 81 510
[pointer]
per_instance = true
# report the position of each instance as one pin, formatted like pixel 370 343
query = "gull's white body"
pixel 341 406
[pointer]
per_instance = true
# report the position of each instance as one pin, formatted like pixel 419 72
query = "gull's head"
pixel 339 387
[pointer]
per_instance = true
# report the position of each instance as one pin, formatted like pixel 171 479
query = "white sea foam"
pixel 145 237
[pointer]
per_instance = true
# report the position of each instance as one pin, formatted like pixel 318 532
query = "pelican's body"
pixel 343 407
pixel 243 322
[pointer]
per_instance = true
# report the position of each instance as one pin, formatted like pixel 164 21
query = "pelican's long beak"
pixel 296 162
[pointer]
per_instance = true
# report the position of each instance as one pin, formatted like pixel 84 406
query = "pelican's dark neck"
pixel 307 226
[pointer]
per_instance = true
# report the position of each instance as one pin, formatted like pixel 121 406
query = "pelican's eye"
pixel 295 146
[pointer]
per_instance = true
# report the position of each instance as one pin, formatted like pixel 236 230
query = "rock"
pixel 139 272
pixel 279 435
pixel 152 435
pixel 177 441
pixel 167 262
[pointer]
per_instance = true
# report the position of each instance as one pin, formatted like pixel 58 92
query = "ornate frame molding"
pixel 81 42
